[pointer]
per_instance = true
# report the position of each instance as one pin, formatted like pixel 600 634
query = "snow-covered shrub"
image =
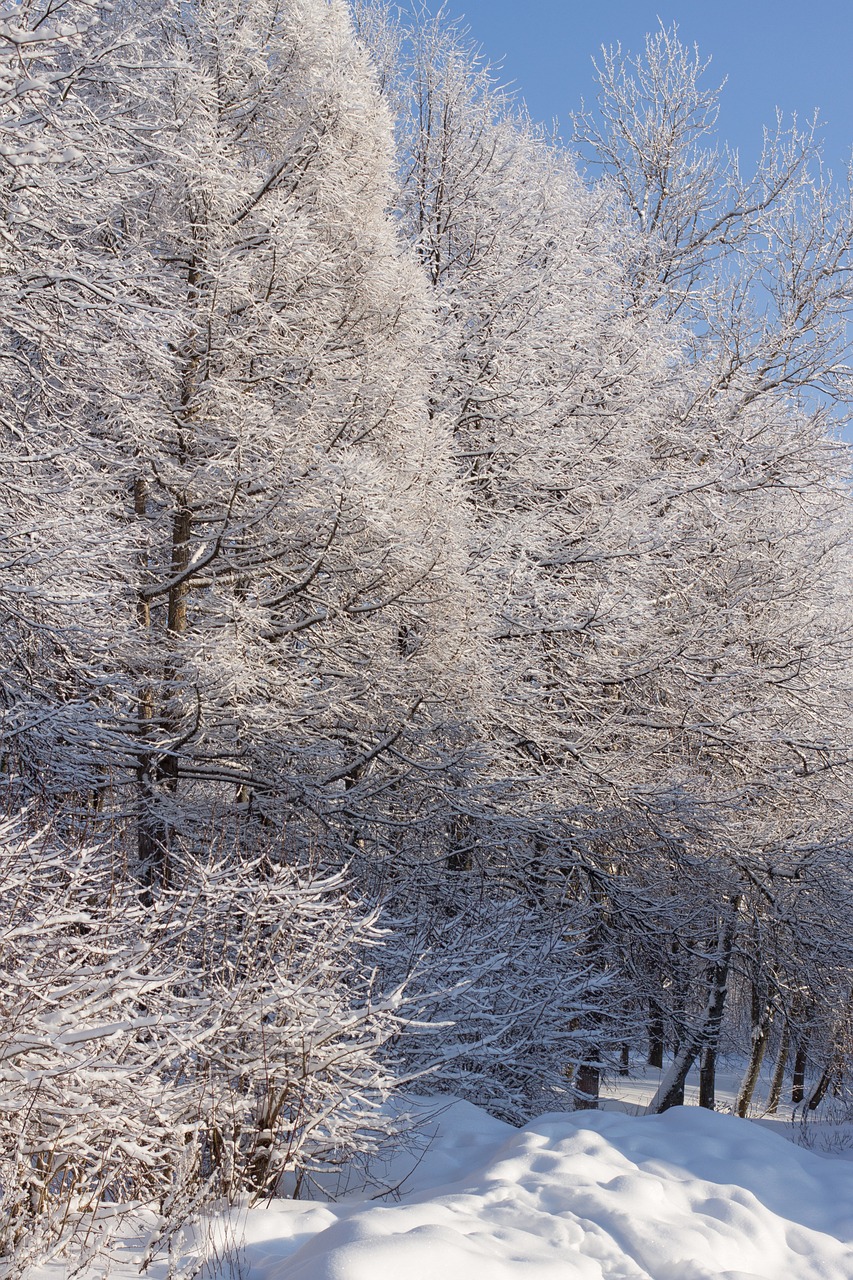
pixel 91 1118
pixel 166 1052
pixel 511 1006
pixel 287 1069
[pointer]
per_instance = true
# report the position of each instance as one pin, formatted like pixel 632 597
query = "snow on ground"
pixel 633 1093
pixel 689 1195
pixel 826 1131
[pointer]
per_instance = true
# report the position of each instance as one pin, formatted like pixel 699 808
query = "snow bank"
pixel 689 1195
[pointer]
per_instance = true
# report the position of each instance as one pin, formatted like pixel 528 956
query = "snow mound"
pixel 689 1195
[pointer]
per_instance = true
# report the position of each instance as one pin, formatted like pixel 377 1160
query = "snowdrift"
pixel 689 1195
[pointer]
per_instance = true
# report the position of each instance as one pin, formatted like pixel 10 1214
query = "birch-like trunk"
pixel 760 1036
pixel 779 1071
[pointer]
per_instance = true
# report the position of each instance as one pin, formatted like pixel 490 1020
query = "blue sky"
pixel 796 56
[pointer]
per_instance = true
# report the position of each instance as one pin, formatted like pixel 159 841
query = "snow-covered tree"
pixel 285 623
pixel 57 570
pixel 746 722
pixel 625 370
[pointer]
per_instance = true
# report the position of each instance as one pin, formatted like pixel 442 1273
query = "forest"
pixel 425 645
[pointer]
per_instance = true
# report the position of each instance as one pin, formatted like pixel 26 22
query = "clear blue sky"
pixel 794 55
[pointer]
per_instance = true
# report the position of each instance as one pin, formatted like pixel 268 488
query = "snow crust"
pixel 688 1195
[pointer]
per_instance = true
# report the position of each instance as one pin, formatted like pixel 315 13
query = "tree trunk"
pixel 177 615
pixel 708 1078
pixel 819 1092
pixel 154 835
pixel 760 1035
pixel 460 846
pixel 671 1090
pixel 798 1086
pixel 168 770
pixel 150 836
pixel 588 1084
pixel 587 1088
pixel 779 1071
pixel 655 1035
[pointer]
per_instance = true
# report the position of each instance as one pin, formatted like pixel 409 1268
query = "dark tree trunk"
pixel 588 1079
pixel 655 1035
pixel 154 773
pixel 798 1087
pixel 459 857
pixel 587 1088
pixel 818 1094
pixel 150 833
pixel 708 1078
